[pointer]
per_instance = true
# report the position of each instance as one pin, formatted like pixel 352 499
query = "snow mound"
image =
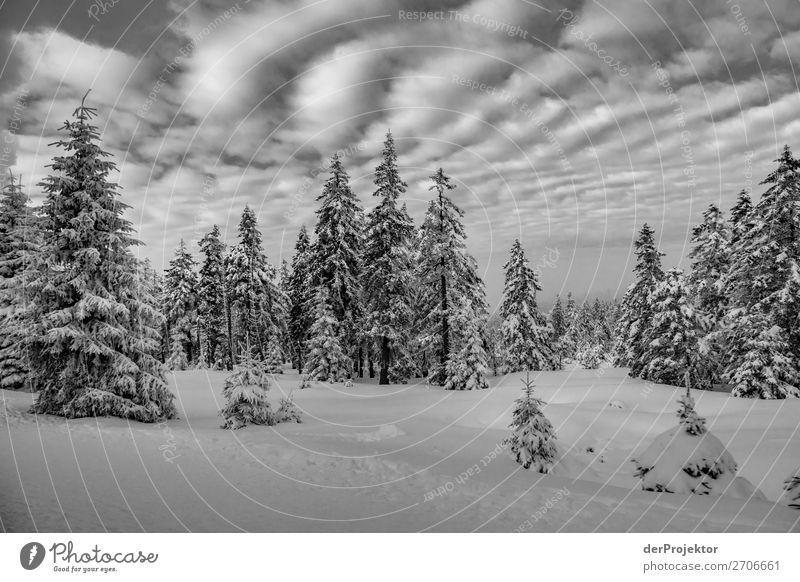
pixel 386 431
pixel 679 462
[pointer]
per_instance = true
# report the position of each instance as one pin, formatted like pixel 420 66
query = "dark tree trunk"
pixel 371 360
pixel 445 322
pixel 384 377
pixel 229 317
pixel 361 361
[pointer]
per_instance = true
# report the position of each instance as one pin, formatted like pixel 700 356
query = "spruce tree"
pixel 387 278
pixel 336 252
pixel 447 276
pixel 525 331
pixel 671 346
pixel 257 304
pixel 764 286
pixel 20 239
pixel 558 319
pixel 740 218
pixel 14 219
pixel 245 394
pixel 299 298
pixel 767 368
pixel 326 358
pixel 533 439
pixel 92 336
pixel 637 314
pixel 709 265
pixel 211 301
pixel 180 289
pixel 466 370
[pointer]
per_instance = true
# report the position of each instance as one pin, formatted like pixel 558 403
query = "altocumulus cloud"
pixel 551 143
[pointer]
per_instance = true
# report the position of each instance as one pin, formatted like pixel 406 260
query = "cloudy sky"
pixel 565 124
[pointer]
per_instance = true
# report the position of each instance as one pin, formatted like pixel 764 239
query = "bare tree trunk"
pixel 385 356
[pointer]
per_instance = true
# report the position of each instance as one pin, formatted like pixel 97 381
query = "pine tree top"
pixel 387 176
pixel 788 167
pixel 648 257
pixel 693 423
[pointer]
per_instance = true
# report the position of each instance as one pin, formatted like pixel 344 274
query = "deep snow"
pixel 396 458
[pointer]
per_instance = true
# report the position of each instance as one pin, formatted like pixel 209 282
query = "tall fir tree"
pixel 180 298
pixel 709 264
pixel 327 360
pixel 92 336
pixel 637 314
pixel 387 279
pixel 19 240
pixel 525 331
pixel 448 278
pixel 211 302
pixel 764 286
pixel 466 369
pixel 257 304
pixel 558 319
pixel 740 218
pixel 671 346
pixel 300 298
pixel 336 254
pixel 710 260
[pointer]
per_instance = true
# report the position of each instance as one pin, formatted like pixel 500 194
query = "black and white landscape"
pixel 335 265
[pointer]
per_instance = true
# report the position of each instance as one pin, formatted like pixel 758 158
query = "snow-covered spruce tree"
pixel 180 298
pixel 533 439
pixel 558 320
pixel 689 459
pixel 387 277
pixel 274 362
pixel 447 276
pixel 20 239
pixel 91 335
pixel 211 301
pixel 764 286
pixel 288 411
pixel 257 304
pixel 326 361
pixel 245 394
pixel 671 343
pixel 177 360
pixel 636 316
pixel 590 355
pixel 14 219
pixel 581 332
pixel 603 332
pixel 466 369
pixel 710 258
pixel 525 331
pixel 791 487
pixel 739 219
pixel 336 254
pixel 767 368
pixel 300 298
pixel 709 264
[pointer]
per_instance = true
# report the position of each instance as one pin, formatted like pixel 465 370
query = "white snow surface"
pixel 389 458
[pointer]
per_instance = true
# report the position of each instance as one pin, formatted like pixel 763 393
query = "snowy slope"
pixel 397 458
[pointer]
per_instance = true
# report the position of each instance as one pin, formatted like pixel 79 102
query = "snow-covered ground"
pixel 387 458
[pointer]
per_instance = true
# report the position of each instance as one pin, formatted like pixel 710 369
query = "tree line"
pixel 734 318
